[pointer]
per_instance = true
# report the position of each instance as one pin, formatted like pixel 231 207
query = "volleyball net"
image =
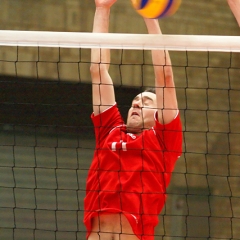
pixel 47 141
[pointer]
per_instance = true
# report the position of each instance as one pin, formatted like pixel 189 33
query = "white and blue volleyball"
pixel 156 8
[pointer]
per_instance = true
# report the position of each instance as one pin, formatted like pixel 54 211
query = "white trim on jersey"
pixel 114 146
pixel 124 146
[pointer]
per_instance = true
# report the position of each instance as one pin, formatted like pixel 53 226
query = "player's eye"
pixel 146 103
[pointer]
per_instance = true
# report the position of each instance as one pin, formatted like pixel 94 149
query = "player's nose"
pixel 136 105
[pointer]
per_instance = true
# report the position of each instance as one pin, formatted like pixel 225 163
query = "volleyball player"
pixel 132 164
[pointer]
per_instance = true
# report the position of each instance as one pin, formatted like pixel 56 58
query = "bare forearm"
pixel 102 85
pixel 160 58
pixel 235 7
pixel 165 88
pixel 100 25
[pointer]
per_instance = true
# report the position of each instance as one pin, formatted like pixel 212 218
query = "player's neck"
pixel 136 131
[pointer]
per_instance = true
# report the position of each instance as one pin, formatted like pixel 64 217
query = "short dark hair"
pixel 150 89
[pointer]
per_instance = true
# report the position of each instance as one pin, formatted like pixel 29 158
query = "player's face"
pixel 141 113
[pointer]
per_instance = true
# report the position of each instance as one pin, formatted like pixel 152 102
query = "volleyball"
pixel 156 8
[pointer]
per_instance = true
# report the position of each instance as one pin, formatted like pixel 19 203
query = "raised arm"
pixel 235 7
pixel 102 86
pixel 165 88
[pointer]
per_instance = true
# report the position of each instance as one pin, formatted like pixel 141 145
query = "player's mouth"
pixel 135 114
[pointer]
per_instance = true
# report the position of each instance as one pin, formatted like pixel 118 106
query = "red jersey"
pixel 130 173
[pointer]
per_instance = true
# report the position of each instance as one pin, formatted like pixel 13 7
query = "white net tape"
pixel 120 41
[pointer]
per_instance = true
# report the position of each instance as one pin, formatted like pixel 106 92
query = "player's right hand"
pixel 104 3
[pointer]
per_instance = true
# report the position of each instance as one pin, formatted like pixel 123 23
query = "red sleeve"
pixel 105 122
pixel 170 137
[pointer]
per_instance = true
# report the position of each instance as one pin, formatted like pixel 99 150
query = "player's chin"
pixel 134 126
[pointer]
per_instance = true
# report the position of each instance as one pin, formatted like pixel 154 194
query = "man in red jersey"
pixel 132 164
